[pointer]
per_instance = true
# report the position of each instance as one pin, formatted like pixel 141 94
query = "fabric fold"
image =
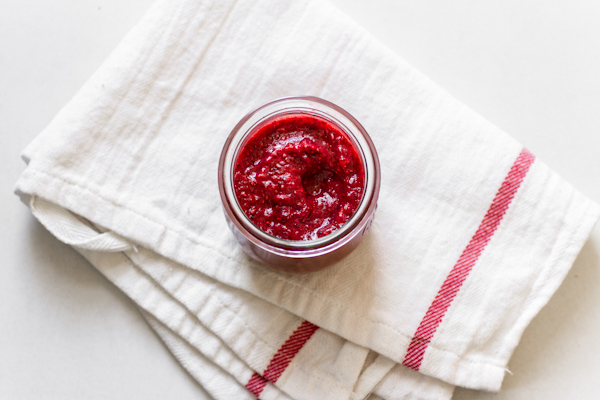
pixel 241 340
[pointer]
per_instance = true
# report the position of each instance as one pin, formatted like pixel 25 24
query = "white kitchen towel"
pixel 472 234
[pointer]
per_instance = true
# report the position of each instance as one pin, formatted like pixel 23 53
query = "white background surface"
pixel 531 67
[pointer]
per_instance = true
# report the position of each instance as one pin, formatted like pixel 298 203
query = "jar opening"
pixel 298 176
pixel 277 110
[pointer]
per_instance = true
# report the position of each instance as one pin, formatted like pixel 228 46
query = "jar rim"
pixel 288 106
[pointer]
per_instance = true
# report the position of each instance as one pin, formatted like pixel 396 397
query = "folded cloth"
pixel 209 325
pixel 471 238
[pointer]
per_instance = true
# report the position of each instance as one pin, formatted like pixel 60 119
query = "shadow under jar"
pixel 299 180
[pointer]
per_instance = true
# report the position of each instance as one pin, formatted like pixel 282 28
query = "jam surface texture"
pixel 298 177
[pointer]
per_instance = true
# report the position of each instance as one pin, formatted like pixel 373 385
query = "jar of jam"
pixel 299 180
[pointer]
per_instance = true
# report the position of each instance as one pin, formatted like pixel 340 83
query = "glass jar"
pixel 299 256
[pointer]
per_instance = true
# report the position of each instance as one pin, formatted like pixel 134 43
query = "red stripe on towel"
pixel 282 358
pixel 460 271
pixel 256 384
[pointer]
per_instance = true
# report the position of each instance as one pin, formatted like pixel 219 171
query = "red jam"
pixel 299 177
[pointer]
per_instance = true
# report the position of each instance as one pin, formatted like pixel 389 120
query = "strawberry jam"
pixel 298 177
